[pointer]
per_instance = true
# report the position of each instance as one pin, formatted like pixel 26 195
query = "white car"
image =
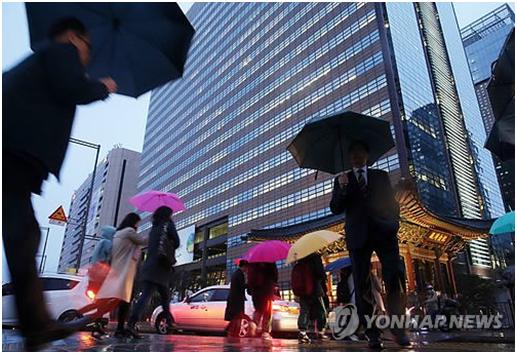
pixel 204 311
pixel 64 295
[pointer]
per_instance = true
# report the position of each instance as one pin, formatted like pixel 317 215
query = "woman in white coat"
pixel 118 285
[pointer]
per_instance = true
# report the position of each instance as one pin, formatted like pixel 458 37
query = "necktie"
pixel 361 181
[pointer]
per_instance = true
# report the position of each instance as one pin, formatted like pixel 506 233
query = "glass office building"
pixel 483 40
pixel 257 72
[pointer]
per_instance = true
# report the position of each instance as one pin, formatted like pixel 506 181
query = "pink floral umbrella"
pixel 268 252
pixel 152 200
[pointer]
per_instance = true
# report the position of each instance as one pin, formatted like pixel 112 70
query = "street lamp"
pixel 44 248
pixel 90 193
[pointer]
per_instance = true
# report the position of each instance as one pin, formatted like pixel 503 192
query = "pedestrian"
pixel 345 287
pixel 236 299
pixel 432 302
pixel 158 267
pixel 99 269
pixel 371 212
pixel 117 287
pixel 40 95
pixel 262 281
pixel 307 280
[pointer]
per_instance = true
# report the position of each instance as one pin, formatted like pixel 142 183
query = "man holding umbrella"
pixel 40 96
pixel 371 224
pixel 365 196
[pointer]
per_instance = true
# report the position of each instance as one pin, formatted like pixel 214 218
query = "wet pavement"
pixel 82 341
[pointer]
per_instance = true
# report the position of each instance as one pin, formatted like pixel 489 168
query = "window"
pixel 220 295
pixel 219 230
pixel 50 284
pixel 204 296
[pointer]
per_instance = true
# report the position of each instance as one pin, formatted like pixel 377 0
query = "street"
pixel 82 341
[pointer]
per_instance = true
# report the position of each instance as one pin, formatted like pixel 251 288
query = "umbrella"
pixel 501 140
pixel 501 88
pixel 504 224
pixel 152 200
pixel 140 45
pixel 311 243
pixel 339 264
pixel 323 143
pixel 267 252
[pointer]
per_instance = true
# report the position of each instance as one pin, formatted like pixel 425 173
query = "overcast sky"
pixel 119 120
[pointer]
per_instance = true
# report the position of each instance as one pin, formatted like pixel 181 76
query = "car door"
pixel 9 316
pixel 216 308
pixel 58 295
pixel 195 316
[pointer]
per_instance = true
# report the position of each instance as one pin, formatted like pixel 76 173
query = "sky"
pixel 118 120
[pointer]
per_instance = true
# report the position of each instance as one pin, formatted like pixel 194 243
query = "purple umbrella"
pixel 152 200
pixel 268 252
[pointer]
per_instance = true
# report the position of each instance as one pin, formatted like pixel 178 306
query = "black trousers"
pixel 393 274
pixel 147 292
pixel 122 314
pixel 21 236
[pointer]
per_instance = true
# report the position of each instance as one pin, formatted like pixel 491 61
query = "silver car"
pixel 204 311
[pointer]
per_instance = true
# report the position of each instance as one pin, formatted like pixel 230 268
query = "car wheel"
pixel 69 315
pixel 161 325
pixel 245 329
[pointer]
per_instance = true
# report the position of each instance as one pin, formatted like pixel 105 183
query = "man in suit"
pixel 39 100
pixel 371 224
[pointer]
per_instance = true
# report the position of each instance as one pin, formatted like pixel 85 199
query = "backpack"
pixel 302 280
pixel 166 256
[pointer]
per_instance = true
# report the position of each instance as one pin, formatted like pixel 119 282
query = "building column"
pixel 410 270
pixel 437 269
pixel 452 276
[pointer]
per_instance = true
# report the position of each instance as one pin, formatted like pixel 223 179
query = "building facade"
pixel 115 182
pixel 257 72
pixel 483 40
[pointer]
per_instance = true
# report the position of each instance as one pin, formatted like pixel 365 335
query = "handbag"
pixel 166 248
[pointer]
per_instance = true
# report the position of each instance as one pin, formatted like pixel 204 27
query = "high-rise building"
pixel 115 182
pixel 483 40
pixel 257 72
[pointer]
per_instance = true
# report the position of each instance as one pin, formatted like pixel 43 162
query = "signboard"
pixel 185 252
pixel 58 217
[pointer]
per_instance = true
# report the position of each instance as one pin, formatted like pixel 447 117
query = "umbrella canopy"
pixel 140 45
pixel 501 87
pixel 501 140
pixel 504 224
pixel 267 252
pixel 152 200
pixel 323 143
pixel 311 243
pixel 339 264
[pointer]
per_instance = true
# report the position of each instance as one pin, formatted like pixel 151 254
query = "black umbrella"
pixel 140 45
pixel 501 90
pixel 323 143
pixel 501 87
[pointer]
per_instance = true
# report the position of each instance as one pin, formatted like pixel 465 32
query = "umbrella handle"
pixel 341 152
pixel 316 175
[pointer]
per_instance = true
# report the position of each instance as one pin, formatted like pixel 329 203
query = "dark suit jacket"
pixel 237 296
pixel 39 99
pixel 375 213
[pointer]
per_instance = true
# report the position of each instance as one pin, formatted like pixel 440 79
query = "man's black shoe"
pixel 375 343
pixel 132 331
pixel 54 331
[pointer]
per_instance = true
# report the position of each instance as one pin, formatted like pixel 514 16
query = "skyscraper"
pixel 257 72
pixel 483 40
pixel 115 182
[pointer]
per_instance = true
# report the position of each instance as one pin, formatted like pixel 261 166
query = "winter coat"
pixel 102 251
pixel 318 274
pixel 127 247
pixel 236 297
pixel 40 95
pixel 153 270
pixel 262 279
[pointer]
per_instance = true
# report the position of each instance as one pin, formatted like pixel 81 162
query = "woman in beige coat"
pixel 118 285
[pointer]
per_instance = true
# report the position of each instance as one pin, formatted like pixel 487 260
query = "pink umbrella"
pixel 152 200
pixel 268 252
